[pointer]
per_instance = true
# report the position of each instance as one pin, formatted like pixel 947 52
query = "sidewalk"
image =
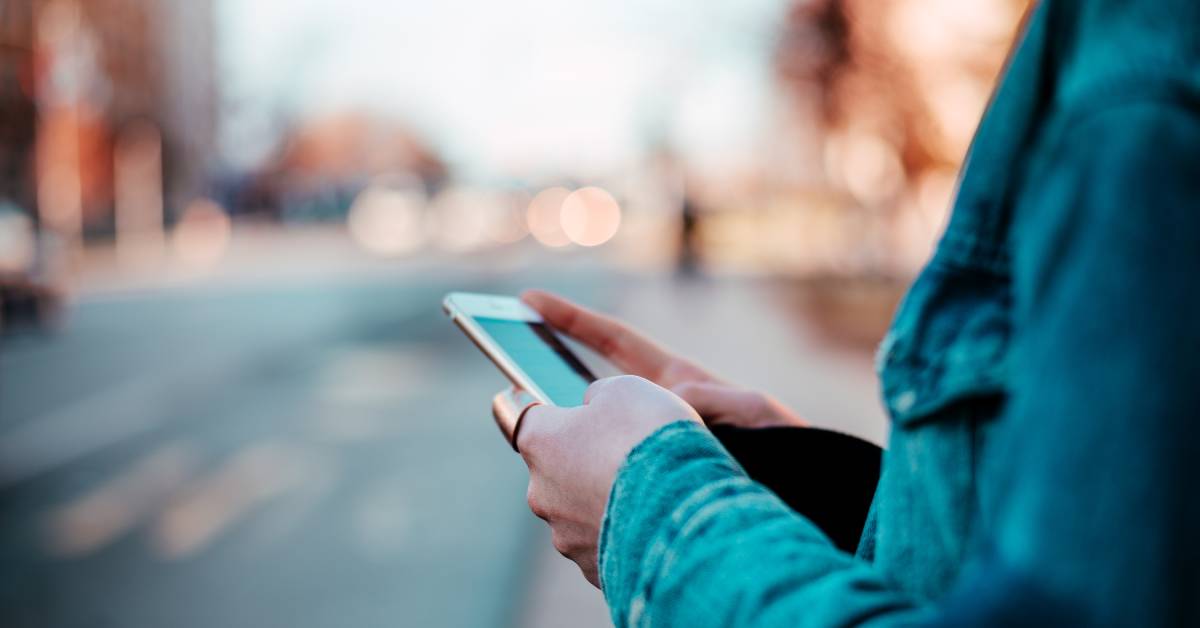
pixel 253 255
pixel 738 329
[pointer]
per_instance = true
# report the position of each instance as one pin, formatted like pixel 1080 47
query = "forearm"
pixel 689 540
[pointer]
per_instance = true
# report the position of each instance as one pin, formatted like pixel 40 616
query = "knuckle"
pixel 594 387
pixel 605 386
pixel 609 345
pixel 561 544
pixel 686 391
pixel 761 402
pixel 629 381
pixel 684 387
pixel 535 502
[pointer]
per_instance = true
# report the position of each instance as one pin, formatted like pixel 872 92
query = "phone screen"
pixel 543 357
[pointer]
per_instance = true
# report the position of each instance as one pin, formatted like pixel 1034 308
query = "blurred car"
pixel 27 298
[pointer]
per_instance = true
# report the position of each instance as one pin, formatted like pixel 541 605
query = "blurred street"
pixel 314 455
pixel 228 396
pixel 318 453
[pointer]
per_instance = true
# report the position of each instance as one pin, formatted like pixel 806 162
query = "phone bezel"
pixel 464 307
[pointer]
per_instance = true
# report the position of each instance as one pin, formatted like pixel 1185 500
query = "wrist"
pixel 648 485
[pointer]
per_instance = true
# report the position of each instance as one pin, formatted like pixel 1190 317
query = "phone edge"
pixel 508 367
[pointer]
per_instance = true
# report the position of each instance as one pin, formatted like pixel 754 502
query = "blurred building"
pixel 322 163
pixel 17 111
pixel 114 110
pixel 895 90
pixel 875 105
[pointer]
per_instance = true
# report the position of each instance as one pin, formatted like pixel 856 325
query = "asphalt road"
pixel 315 454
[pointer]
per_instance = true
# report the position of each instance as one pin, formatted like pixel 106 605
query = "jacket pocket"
pixel 948 343
pixel 943 370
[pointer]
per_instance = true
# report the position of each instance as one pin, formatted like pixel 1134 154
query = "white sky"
pixel 533 86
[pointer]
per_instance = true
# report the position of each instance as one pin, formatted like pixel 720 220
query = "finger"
pixel 629 350
pixel 718 402
pixel 507 407
pixel 595 388
pixel 536 425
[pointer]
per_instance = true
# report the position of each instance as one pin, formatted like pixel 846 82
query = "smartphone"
pixel 516 339
pixel 535 359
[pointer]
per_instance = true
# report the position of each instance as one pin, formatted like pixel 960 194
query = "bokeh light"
pixel 202 235
pixel 461 218
pixel 590 216
pixel 508 225
pixel 387 221
pixel 544 217
pixel 16 240
pixel 867 165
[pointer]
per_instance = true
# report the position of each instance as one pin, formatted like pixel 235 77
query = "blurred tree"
pixel 899 83
pixel 17 111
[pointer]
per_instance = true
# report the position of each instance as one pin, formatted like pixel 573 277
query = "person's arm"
pixel 689 540
pixel 1092 511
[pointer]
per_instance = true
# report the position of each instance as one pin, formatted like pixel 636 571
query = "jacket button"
pixel 905 401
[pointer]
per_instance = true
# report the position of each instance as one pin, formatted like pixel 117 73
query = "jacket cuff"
pixel 657 477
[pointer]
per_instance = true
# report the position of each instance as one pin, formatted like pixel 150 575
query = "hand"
pixel 630 351
pixel 716 401
pixel 573 456
pixel 723 404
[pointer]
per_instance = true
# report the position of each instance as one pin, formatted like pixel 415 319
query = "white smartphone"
pixel 521 345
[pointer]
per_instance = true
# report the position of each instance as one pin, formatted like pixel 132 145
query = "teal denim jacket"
pixel 1042 376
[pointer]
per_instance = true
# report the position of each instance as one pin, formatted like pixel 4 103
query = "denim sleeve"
pixel 1088 503
pixel 1099 450
pixel 689 540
